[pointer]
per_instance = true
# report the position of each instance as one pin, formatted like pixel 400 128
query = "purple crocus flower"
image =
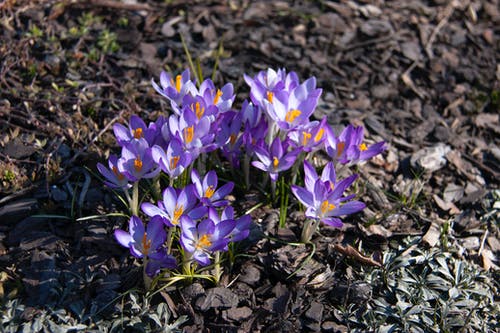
pixel 309 137
pixel 221 98
pixel 194 133
pixel 175 89
pixel 136 161
pixel 146 243
pixel 349 148
pixel 137 129
pixel 206 189
pixel 267 83
pixel 114 178
pixel 242 224
pixel 229 137
pixel 293 109
pixel 174 160
pixel 175 204
pixel 204 238
pixel 274 159
pixel 323 197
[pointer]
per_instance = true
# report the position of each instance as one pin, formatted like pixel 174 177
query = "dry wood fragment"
pixel 349 251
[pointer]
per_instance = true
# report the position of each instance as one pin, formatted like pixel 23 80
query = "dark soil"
pixel 422 75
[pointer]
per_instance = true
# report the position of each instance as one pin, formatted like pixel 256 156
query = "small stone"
pixel 250 275
pixel 430 159
pixel 494 243
pixel 315 312
pixel 238 314
pixel 470 243
pixel 193 291
pixel 217 298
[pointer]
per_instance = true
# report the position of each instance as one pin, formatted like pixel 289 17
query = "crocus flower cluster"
pixel 274 131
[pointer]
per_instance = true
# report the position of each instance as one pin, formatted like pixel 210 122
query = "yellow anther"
pixel 326 207
pixel 189 134
pixel 291 115
pixel 117 173
pixel 138 164
pixel 174 161
pixel 203 242
pixel 306 136
pixel 178 83
pixel 319 135
pixel 363 147
pixel 232 138
pixel 199 110
pixel 137 133
pixel 218 94
pixel 275 162
pixel 178 210
pixel 209 191
pixel 146 244
pixel 269 96
pixel 340 148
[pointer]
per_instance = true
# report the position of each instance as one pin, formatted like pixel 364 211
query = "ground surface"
pixel 422 75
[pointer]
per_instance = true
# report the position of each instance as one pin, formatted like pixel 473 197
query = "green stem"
pixel 218 269
pixel 170 238
pixel 147 280
pixel 157 188
pixel 134 203
pixel 308 230
pixel 284 197
pixel 186 264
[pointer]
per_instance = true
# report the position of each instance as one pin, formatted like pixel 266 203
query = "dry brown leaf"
pixel 356 255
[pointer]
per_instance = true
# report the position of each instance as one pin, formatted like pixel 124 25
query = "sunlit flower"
pixel 275 158
pixel 310 137
pixel 221 98
pixel 175 204
pixel 137 129
pixel 206 189
pixel 324 199
pixel 203 238
pixel 113 177
pixel 146 243
pixel 136 161
pixel 175 88
pixel 174 160
pixel 349 147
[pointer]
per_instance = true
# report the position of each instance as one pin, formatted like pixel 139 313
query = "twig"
pixel 483 239
pixel 448 11
pixel 355 254
pixel 96 137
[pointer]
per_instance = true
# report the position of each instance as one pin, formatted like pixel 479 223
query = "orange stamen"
pixel 189 134
pixel 204 241
pixel 326 207
pixel 138 164
pixel 319 135
pixel 177 214
pixel 291 115
pixel 363 147
pixel 209 191
pixel 275 162
pixel 178 83
pixel 218 94
pixel 137 133
pixel 146 244
pixel 305 138
pixel 117 173
pixel 340 148
pixel 232 138
pixel 174 161
pixel 270 96
pixel 199 110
